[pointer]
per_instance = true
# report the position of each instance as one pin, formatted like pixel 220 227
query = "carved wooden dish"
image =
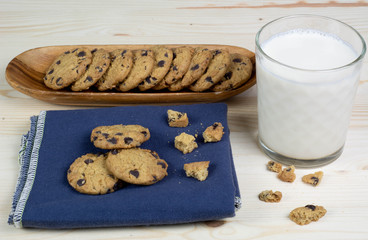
pixel 26 71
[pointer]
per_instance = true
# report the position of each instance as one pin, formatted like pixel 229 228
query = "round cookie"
pixel 88 174
pixel 198 66
pixel 163 57
pixel 144 61
pixel 121 65
pixel 119 136
pixel 67 68
pixel 239 72
pixel 136 165
pixel 180 65
pixel 215 71
pixel 95 70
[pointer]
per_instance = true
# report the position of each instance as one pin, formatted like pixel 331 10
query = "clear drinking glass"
pixel 304 106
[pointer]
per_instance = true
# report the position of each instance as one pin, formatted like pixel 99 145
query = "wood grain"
pixel 26 71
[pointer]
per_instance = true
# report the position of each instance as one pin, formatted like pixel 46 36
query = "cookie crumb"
pixel 185 143
pixel 197 170
pixel 213 133
pixel 313 179
pixel 270 196
pixel 287 174
pixel 307 214
pixel 274 166
pixel 177 119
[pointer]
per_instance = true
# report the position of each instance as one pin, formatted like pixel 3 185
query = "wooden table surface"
pixel 344 190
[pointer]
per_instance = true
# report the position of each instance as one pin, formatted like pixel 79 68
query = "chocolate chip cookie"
pixel 215 72
pixel 185 143
pixel 121 65
pixel 270 196
pixel 119 136
pixel 136 165
pixel 197 170
pixel 88 174
pixel 198 66
pixel 95 70
pixel 67 68
pixel 177 119
pixel 307 214
pixel 239 72
pixel 213 133
pixel 313 178
pixel 163 59
pixel 142 67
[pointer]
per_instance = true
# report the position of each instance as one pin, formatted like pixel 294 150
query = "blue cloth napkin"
pixel 44 199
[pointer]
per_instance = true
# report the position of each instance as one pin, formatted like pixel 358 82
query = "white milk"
pixel 305 114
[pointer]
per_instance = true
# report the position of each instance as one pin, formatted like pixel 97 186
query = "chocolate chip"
pixel 135 173
pixel 148 79
pixel 113 140
pixel 154 178
pixel 88 161
pixel 312 207
pixel 128 140
pixel 119 184
pixel 315 180
pixel 144 133
pixel 58 62
pixel 144 53
pixel 209 79
pixel 114 151
pixel 67 52
pixel 81 182
pixel 69 171
pixel 214 126
pixel 162 164
pixel 154 79
pixel 228 75
pixel 216 52
pixel 119 134
pixel 123 53
pixel 106 135
pixel 94 138
pixel 51 71
pixel 166 55
pixel 94 50
pixel 180 115
pixel 81 54
pixel 98 132
pixel 99 68
pixel 175 68
pixel 89 79
pixel 195 67
pixel 74 50
pixel 236 60
pixel 59 81
pixel 174 55
pixel 161 63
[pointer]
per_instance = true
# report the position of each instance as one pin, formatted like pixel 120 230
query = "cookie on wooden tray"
pixel 185 143
pixel 197 170
pixel 307 214
pixel 137 166
pixel 216 70
pixel 119 136
pixel 121 64
pixel 144 61
pixel 88 174
pixel 213 133
pixel 180 65
pixel 177 119
pixel 67 68
pixel 163 59
pixel 240 70
pixel 270 196
pixel 95 70
pixel 313 178
pixel 198 66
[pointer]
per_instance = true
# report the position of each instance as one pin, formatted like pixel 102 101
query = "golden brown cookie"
pixel 274 166
pixel 67 68
pixel 137 166
pixel 177 119
pixel 163 59
pixel 270 196
pixel 307 214
pixel 213 133
pixel 239 72
pixel 314 178
pixel 144 61
pixel 287 174
pixel 198 66
pixel 121 65
pixel 215 72
pixel 95 70
pixel 119 136
pixel 88 174
pixel 197 170
pixel 185 143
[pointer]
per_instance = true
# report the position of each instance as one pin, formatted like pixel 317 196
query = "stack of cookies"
pixel 158 68
pixel 125 162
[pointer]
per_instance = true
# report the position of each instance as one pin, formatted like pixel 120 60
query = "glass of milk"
pixel 307 75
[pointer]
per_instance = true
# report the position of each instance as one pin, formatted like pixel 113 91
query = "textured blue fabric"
pixel 52 203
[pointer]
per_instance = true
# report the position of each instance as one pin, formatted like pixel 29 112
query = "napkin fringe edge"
pixel 28 169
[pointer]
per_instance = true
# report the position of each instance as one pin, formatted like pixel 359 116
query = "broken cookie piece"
pixel 274 166
pixel 213 133
pixel 314 178
pixel 287 174
pixel 177 119
pixel 307 214
pixel 185 143
pixel 197 170
pixel 270 196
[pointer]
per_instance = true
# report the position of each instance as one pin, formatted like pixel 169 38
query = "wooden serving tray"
pixel 26 71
